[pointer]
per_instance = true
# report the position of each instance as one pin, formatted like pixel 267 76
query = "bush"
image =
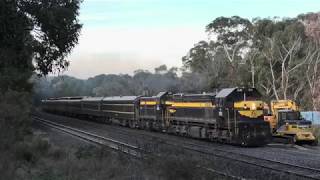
pixel 14 117
pixel 24 152
pixel 85 152
pixel 40 146
pixel 57 153
pixel 31 151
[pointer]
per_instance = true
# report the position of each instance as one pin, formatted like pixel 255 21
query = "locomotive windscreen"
pixel 246 94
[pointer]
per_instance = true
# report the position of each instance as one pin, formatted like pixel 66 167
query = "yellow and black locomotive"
pixel 233 115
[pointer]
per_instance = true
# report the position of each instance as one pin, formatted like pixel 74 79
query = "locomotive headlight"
pixel 254 107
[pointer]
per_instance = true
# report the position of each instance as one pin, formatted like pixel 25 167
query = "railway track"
pixel 284 167
pixel 114 144
pixel 277 166
pixel 93 138
pixel 287 168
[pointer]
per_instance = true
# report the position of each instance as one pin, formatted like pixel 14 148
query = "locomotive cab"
pixel 240 116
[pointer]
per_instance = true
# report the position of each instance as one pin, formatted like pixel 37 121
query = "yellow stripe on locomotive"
pixel 251 109
pixel 148 103
pixel 190 104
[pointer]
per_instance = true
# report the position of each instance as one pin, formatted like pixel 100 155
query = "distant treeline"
pixel 280 57
pixel 142 82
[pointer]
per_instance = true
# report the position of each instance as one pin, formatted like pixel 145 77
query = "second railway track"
pixel 277 166
pixel 284 167
pixel 114 144
pixel 93 138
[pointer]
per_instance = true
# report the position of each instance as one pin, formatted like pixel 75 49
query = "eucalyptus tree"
pixel 223 58
pixel 284 53
pixel 35 36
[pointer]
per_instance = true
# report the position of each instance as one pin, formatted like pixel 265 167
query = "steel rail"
pixel 301 171
pixel 96 139
pixel 297 170
pixel 113 144
pixel 313 172
pixel 213 152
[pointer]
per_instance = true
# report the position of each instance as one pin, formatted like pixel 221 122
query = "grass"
pixel 37 159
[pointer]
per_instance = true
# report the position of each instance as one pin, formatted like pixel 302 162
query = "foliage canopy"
pixel 35 35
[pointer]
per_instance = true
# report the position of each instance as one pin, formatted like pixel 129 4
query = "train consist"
pixel 233 115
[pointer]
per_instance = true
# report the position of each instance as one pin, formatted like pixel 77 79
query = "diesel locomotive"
pixel 233 115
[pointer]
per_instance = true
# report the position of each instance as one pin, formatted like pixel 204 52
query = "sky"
pixel 121 36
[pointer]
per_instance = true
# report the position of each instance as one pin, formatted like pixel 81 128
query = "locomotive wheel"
pixel 244 143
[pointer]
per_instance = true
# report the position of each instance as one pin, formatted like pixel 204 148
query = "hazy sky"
pixel 120 36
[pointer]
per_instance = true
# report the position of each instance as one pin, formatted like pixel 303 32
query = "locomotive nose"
pixel 253 106
pixel 255 134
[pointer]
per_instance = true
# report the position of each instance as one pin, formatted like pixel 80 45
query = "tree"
pixel 161 69
pixel 198 57
pixel 313 76
pixel 232 36
pixel 222 59
pixel 284 54
pixel 211 67
pixel 277 56
pixel 311 21
pixel 35 35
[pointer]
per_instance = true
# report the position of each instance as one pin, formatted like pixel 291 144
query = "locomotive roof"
pixel 228 91
pixel 225 92
pixel 158 96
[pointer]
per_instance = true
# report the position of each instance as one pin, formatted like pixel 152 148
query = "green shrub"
pixel 31 151
pixel 15 119
pixel 85 152
pixel 24 152
pixel 57 153
pixel 40 145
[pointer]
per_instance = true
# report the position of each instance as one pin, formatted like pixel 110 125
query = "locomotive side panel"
pixel 191 115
